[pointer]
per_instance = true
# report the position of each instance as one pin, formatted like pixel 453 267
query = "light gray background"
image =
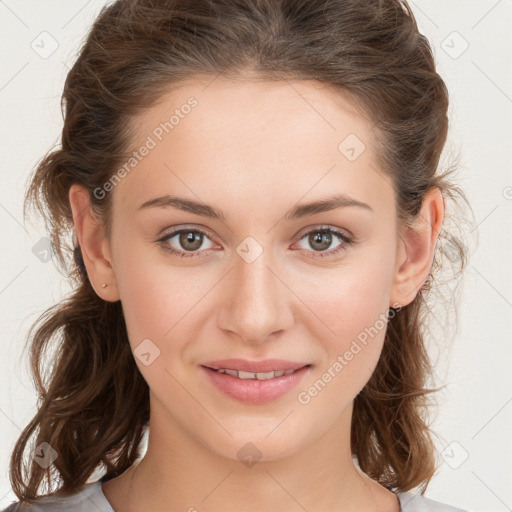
pixel 474 421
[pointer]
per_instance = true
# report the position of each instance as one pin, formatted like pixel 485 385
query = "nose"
pixel 257 303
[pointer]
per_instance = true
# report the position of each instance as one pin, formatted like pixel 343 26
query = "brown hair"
pixel 136 50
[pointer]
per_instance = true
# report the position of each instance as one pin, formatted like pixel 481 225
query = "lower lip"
pixel 253 391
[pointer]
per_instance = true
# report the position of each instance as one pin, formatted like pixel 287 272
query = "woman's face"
pixel 257 280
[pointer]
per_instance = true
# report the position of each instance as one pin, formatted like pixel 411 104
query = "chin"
pixel 257 446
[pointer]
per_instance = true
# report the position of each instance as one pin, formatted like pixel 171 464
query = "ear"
pixel 415 251
pixel 95 248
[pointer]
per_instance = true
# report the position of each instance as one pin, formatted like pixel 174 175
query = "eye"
pixel 322 238
pixel 189 242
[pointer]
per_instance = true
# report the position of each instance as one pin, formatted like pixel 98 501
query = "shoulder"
pixel 410 502
pixel 89 498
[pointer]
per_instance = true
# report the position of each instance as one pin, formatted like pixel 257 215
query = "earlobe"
pixel 416 246
pixel 90 234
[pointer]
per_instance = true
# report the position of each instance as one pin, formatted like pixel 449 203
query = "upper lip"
pixel 244 365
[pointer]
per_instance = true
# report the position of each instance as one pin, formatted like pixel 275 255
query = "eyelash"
pixel 321 254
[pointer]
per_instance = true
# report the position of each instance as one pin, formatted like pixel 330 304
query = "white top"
pixel 91 499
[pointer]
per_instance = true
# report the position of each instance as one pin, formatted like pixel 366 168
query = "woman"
pixel 253 193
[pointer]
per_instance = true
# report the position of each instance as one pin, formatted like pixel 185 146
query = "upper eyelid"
pixel 336 230
pixel 174 231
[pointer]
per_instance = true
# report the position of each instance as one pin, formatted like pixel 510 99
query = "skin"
pixel 254 150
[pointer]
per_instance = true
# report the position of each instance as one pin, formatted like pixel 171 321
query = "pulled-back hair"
pixel 93 403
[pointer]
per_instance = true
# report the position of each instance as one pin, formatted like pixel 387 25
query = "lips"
pixel 240 374
pixel 255 388
pixel 243 365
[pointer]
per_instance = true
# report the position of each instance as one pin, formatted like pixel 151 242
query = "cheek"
pixel 160 305
pixel 157 299
pixel 349 320
pixel 357 316
pixel 347 299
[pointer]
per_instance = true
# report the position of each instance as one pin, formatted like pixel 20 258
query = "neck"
pixel 182 474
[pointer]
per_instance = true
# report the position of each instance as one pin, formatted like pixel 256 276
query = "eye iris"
pixel 322 237
pixel 191 237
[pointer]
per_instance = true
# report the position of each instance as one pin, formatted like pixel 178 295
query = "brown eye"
pixel 320 239
pixel 187 243
pixel 190 240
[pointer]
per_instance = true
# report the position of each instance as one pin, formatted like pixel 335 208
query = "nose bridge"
pixel 257 305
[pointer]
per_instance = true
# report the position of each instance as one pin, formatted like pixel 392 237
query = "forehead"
pixel 248 139
pixel 254 107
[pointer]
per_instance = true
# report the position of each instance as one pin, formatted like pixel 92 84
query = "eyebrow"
pixel 297 212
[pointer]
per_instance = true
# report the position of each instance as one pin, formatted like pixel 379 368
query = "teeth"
pixel 255 375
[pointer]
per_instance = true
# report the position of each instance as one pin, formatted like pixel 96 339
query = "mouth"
pixel 240 374
pixel 265 366
pixel 255 387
